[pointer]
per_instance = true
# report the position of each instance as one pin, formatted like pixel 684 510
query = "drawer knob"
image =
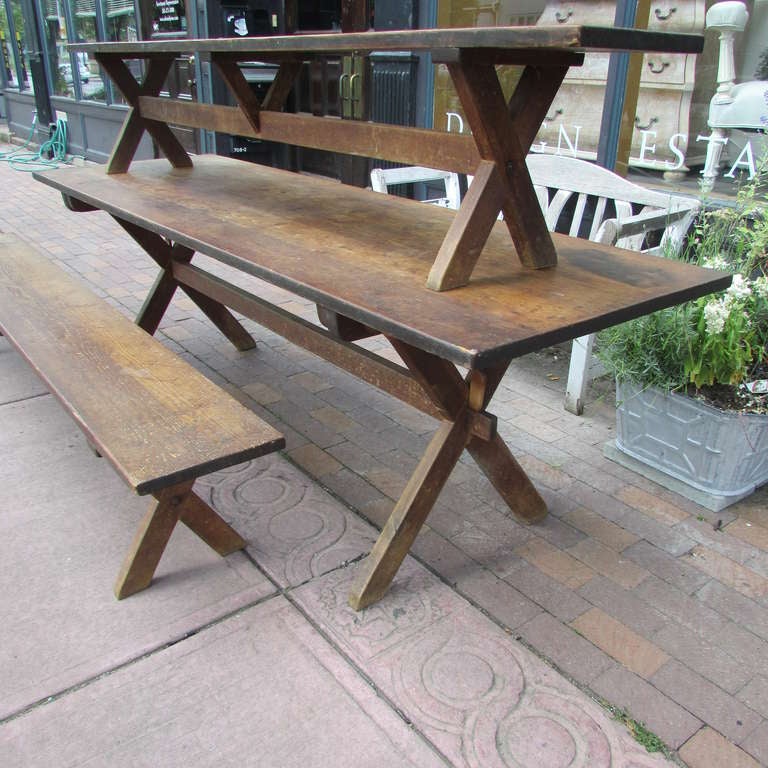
pixel 563 17
pixel 663 15
pixel 657 66
pixel 648 125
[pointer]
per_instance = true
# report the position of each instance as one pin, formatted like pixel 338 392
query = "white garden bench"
pixel 584 200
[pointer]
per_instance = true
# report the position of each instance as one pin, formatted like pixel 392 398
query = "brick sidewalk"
pixel 627 588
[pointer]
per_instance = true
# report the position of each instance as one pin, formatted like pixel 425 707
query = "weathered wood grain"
pixel 135 124
pixel 157 420
pixel 367 256
pixel 571 37
pixel 410 146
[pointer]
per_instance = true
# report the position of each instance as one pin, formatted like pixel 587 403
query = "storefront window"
pixel 121 21
pixel 91 78
pixel 122 27
pixel 477 13
pixel 7 51
pixel 668 129
pixel 20 47
pixel 56 43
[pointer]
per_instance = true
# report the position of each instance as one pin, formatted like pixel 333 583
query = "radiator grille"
pixel 393 99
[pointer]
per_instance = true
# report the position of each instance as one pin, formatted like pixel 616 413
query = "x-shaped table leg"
pixel 503 134
pixel 135 125
pixel 159 297
pixel 466 426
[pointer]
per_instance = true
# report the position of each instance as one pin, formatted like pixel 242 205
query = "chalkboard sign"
pixel 169 17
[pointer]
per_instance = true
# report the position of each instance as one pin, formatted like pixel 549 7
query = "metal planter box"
pixel 721 454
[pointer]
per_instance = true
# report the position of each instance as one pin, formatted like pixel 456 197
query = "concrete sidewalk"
pixel 627 589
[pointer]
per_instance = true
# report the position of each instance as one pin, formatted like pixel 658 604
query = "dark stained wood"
pixel 281 86
pixel 488 116
pixel 533 95
pixel 71 204
pixel 158 299
pixel 223 319
pixel 469 230
pixel 157 420
pixel 135 124
pixel 410 146
pixel 235 79
pixel 371 368
pixel 343 327
pixel 439 378
pixel 367 255
pixel 453 396
pixel 571 37
pixel 509 479
pixel 376 572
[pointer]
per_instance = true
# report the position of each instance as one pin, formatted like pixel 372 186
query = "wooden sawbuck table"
pixel 446 288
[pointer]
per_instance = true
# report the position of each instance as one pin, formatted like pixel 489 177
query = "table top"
pixel 366 255
pixel 573 38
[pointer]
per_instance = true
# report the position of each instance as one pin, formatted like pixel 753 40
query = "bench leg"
pixel 179 502
pixel 159 297
pixel 216 533
pixel 462 401
pixel 409 514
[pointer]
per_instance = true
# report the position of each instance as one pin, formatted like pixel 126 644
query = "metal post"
pixel 613 104
pixel 12 42
pixel 33 32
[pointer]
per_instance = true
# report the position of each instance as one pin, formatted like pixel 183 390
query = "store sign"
pixel 568 143
pixel 169 17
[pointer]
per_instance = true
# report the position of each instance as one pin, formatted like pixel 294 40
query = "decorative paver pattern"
pixel 688 582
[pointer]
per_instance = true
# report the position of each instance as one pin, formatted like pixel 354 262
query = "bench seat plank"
pixel 157 420
pixel 367 257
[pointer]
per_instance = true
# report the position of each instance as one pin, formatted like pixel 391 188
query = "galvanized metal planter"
pixel 721 454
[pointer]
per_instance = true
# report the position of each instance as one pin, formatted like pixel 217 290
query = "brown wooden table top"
pixel 571 38
pixel 367 255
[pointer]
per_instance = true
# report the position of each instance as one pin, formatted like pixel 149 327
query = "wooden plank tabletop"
pixel 367 256
pixel 571 37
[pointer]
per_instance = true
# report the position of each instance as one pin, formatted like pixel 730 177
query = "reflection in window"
pixel 91 80
pixel 20 47
pixel 122 28
pixel 7 51
pixel 121 21
pixel 56 43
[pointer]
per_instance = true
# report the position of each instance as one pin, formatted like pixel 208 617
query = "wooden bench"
pixel 159 422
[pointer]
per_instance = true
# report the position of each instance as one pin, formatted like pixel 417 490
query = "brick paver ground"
pixel 639 595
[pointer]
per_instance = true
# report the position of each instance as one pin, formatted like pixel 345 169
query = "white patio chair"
pixel 584 200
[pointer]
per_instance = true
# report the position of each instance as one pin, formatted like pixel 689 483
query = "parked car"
pixel 65 69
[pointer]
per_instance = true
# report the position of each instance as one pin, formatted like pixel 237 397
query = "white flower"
pixel 715 262
pixel 716 313
pixel 739 288
pixel 760 286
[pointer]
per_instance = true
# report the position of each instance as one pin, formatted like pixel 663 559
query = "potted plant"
pixel 692 380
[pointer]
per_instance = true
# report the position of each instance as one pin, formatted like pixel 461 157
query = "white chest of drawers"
pixel 674 95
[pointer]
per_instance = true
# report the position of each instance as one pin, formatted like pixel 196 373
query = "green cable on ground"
pixel 48 156
pixel 6 155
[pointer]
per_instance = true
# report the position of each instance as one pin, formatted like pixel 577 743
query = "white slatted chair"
pixel 622 214
pixel 383 178
pixel 584 200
